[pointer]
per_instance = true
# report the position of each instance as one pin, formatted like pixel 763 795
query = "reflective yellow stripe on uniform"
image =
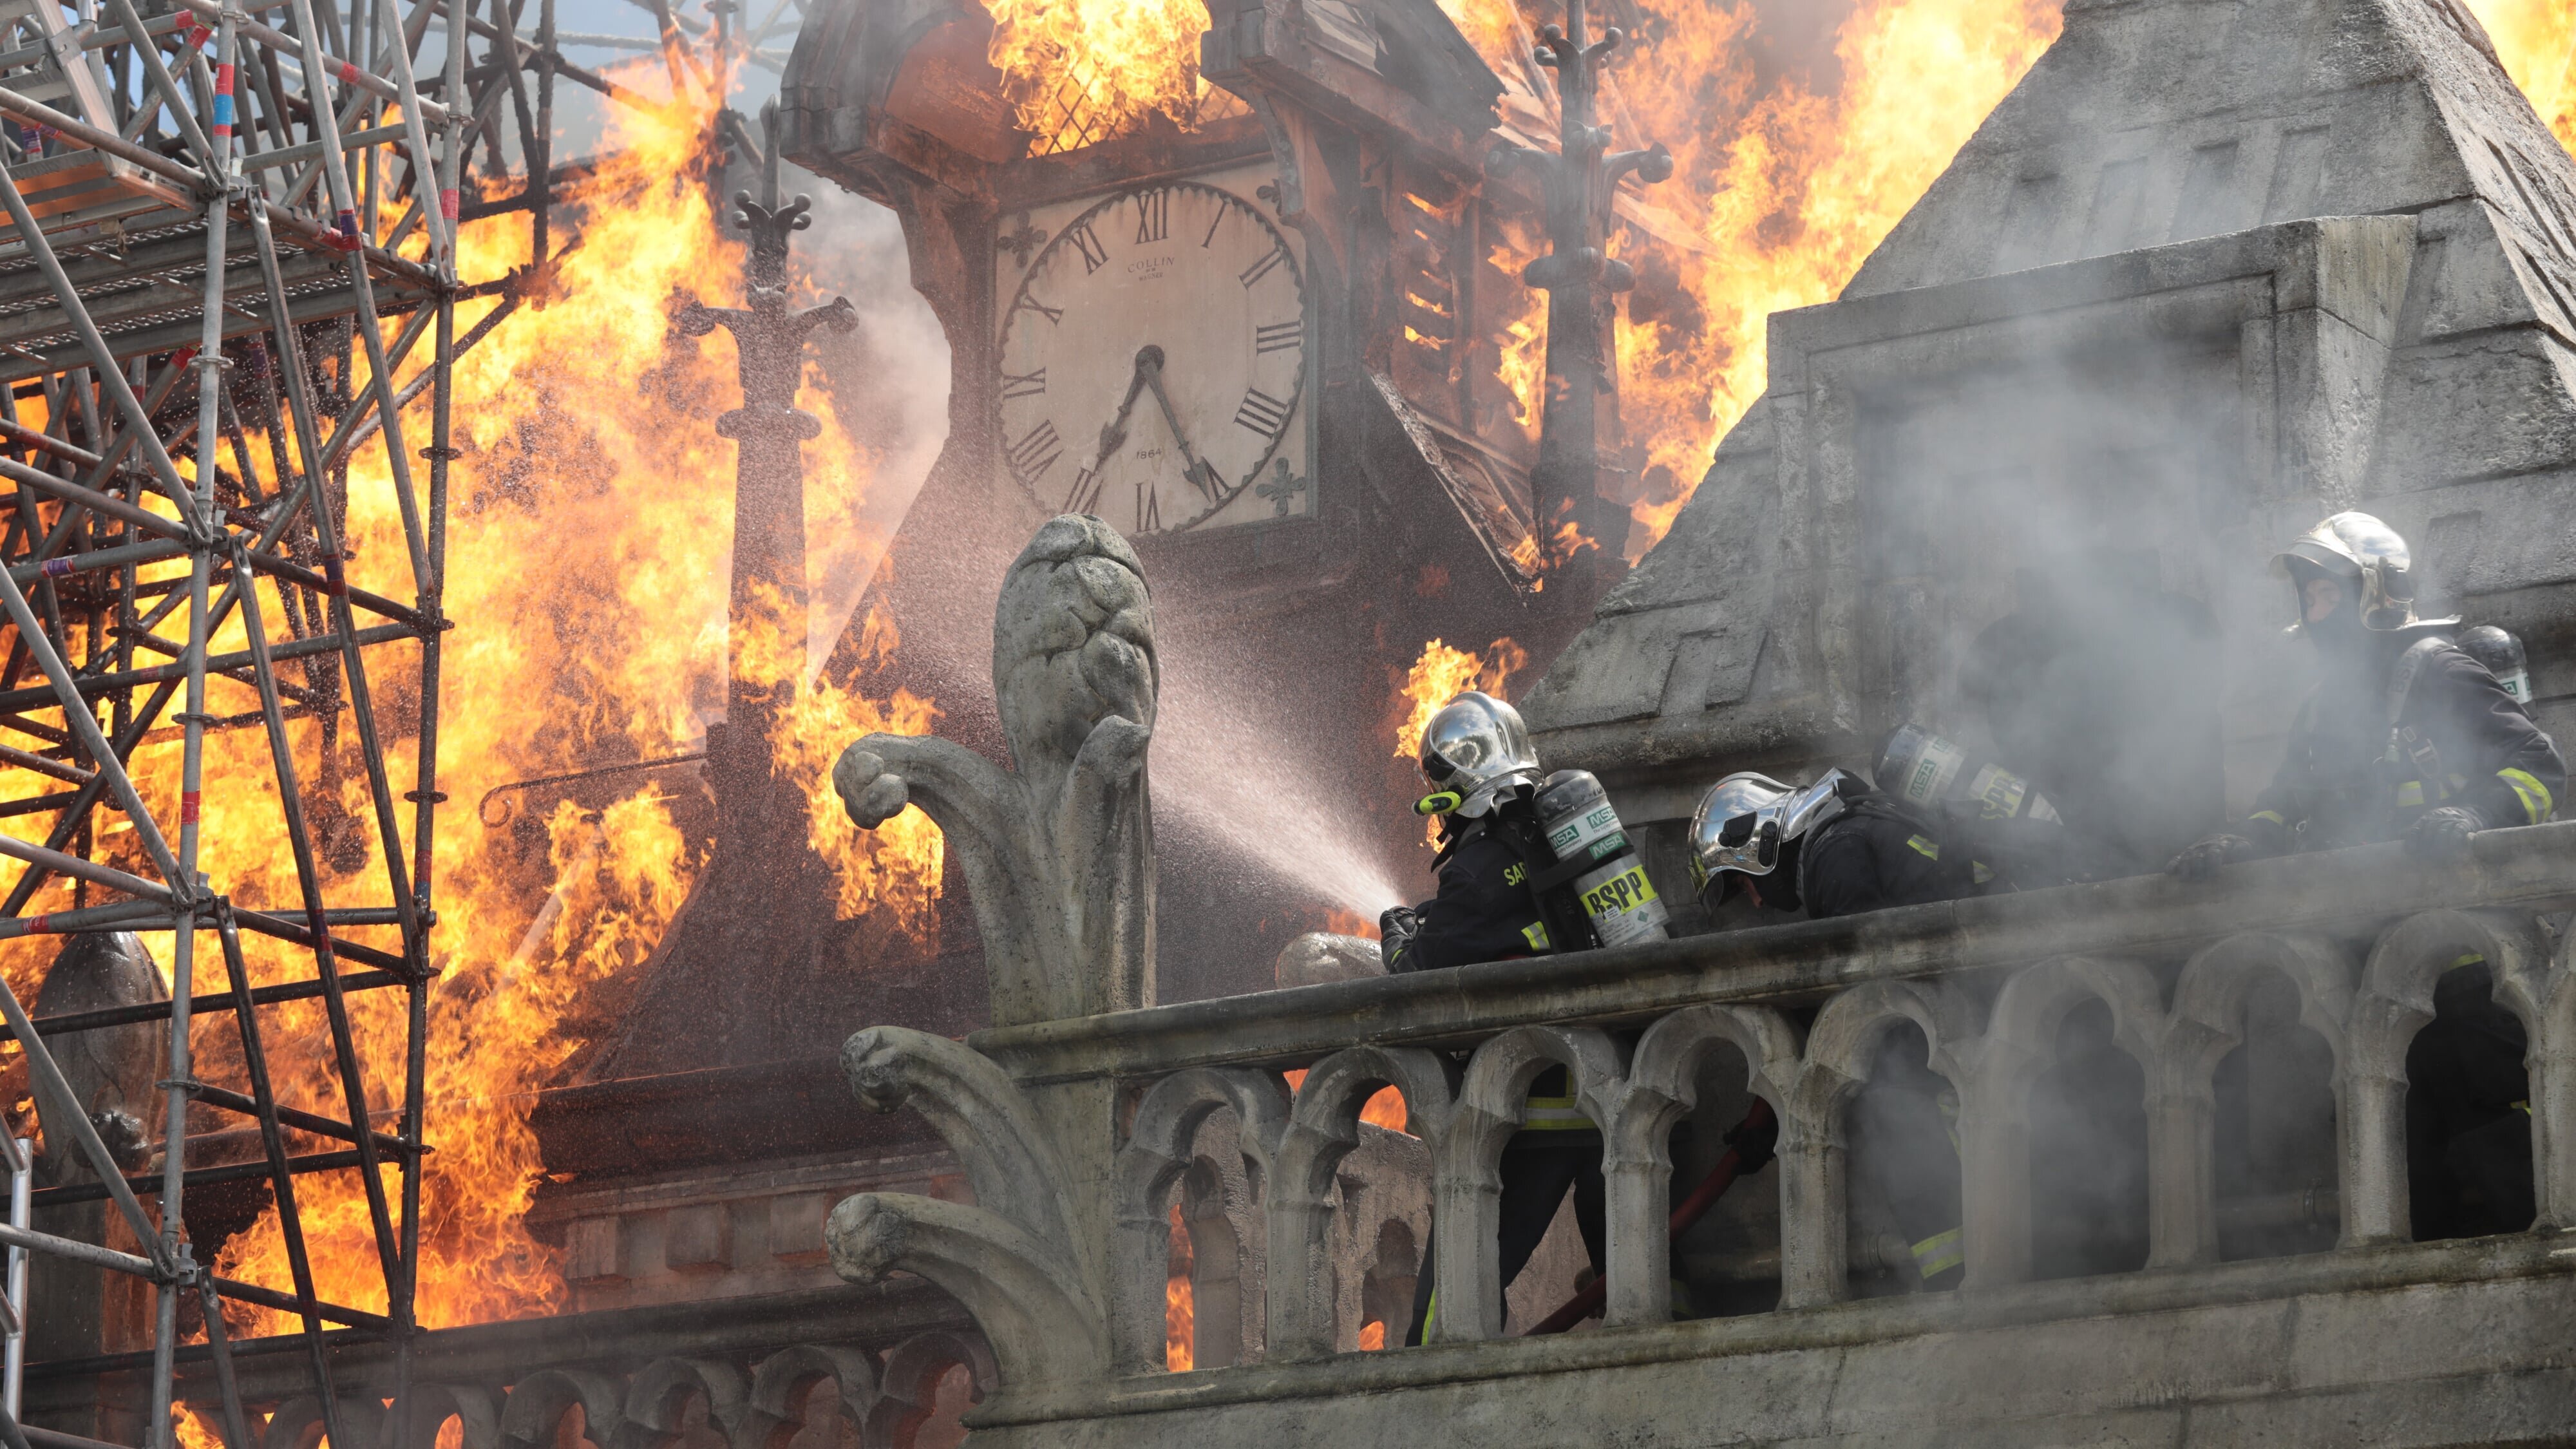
pixel 1553 1114
pixel 1927 848
pixel 2272 815
pixel 2535 798
pixel 1939 1253
pixel 1536 934
pixel 2410 794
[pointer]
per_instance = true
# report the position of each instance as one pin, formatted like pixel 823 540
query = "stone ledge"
pixel 2335 891
pixel 1873 1322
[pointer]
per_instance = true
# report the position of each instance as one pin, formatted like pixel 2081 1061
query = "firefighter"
pixel 1833 848
pixel 1484 773
pixel 1837 848
pixel 2409 736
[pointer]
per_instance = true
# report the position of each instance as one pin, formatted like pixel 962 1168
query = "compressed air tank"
pixel 1921 769
pixel 1580 824
pixel 2502 654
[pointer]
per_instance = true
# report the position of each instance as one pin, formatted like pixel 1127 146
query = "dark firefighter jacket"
pixel 1873 858
pixel 1485 911
pixel 2459 739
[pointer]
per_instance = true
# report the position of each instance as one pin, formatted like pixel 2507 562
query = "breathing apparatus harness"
pixel 1560 915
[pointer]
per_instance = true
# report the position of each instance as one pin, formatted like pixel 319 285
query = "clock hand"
pixel 1200 475
pixel 1113 435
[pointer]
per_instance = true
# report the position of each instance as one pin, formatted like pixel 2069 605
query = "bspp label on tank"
pixel 1622 904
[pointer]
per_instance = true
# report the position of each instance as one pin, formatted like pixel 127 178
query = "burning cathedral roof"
pixel 2154 150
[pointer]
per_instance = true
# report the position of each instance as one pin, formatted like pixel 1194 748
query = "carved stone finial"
pixel 1058 854
pixel 770 224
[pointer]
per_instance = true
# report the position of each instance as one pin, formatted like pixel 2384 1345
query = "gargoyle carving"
pixel 1009 1258
pixel 1058 855
pixel 977 1112
pixel 1042 1324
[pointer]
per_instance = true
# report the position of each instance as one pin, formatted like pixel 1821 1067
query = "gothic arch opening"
pixel 1902 1180
pixel 1728 1262
pixel 2274 1131
pixel 2468 1113
pixel 2088 1153
pixel 1387 1285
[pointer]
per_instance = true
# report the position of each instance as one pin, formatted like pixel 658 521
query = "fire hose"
pixel 1748 1150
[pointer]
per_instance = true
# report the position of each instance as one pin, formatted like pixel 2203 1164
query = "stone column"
pixel 1638 1206
pixel 1994 1167
pixel 2182 1192
pixel 1814 1207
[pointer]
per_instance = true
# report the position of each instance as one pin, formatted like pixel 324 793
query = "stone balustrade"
pixel 833 1368
pixel 818 1395
pixel 2358 936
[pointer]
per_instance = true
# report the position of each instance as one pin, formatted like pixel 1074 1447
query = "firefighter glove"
pixel 2201 859
pixel 2442 833
pixel 1396 928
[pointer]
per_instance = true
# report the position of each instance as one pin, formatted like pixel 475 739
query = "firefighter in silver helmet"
pixel 1836 848
pixel 1484 773
pixel 1832 848
pixel 2407 736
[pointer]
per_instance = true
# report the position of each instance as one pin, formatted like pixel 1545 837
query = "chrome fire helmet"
pixel 1473 750
pixel 1746 822
pixel 2363 554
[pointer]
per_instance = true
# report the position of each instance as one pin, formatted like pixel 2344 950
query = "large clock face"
pixel 1153 358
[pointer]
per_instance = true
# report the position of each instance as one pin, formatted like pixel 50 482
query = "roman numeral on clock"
pixel 1261 413
pixel 1032 455
pixel 1026 303
pixel 1085 497
pixel 1016 386
pixel 1153 216
pixel 1253 274
pixel 1278 336
pixel 1149 509
pixel 1087 242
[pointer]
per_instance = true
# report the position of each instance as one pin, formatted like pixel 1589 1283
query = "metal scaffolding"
pixel 229 262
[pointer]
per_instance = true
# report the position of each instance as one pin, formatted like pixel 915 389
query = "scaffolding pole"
pixel 259 201
pixel 218 198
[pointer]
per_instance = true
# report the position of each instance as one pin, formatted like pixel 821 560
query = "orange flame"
pixel 1780 194
pixel 1180 1316
pixel 1521 335
pixel 1079 72
pixel 1564 541
pixel 1384 1108
pixel 587 557
pixel 2536 40
pixel 1372 1335
pixel 1342 922
pixel 1440 675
